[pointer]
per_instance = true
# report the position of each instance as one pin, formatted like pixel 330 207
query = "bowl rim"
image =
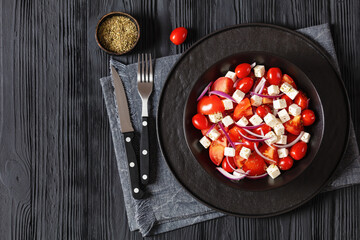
pixel 114 14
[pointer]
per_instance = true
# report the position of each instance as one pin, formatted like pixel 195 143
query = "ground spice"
pixel 117 34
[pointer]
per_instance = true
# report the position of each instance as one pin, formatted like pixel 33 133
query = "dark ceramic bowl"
pixel 219 69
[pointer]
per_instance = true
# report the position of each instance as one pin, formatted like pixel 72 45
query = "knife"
pixel 128 132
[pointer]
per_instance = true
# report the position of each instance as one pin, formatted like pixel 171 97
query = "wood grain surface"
pixel 58 175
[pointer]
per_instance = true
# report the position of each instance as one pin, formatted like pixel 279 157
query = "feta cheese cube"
pixel 305 137
pixel 228 104
pixel 242 122
pixel 294 109
pixel 283 115
pixel 216 117
pixel 213 134
pixel 272 136
pixel 227 121
pixel 238 95
pixel 256 100
pixel 270 120
pixel 259 71
pixel 282 139
pixel 279 104
pixel 230 152
pixel 273 171
pixel 279 129
pixel 245 152
pixel 283 152
pixel 273 90
pixel 292 93
pixel 231 75
pixel 255 120
pixel 205 142
pixel 285 87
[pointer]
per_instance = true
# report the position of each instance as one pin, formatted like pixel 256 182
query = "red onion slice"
pixel 226 135
pixel 211 128
pixel 253 65
pixel 222 94
pixel 261 83
pixel 292 143
pixel 227 159
pixel 238 143
pixel 250 127
pixel 229 175
pixel 236 82
pixel 257 177
pixel 307 103
pixel 261 89
pixel 254 134
pixel 263 156
pixel 253 139
pixel 266 96
pixel 204 91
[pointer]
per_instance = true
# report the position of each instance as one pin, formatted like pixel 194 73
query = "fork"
pixel 145 79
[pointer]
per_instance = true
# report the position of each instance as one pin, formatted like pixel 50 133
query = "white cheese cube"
pixel 282 139
pixel 238 173
pixel 283 152
pixel 259 71
pixel 279 104
pixel 285 87
pixel 230 152
pixel 205 142
pixel 305 137
pixel 279 129
pixel 213 134
pixel 245 152
pixel 238 95
pixel 216 117
pixel 294 109
pixel 256 100
pixel 242 122
pixel 272 136
pixel 228 104
pixel 227 121
pixel 255 120
pixel 231 75
pixel 273 171
pixel 292 93
pixel 283 115
pixel 270 120
pixel 273 90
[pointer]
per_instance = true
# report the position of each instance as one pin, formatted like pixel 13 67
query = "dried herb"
pixel 117 34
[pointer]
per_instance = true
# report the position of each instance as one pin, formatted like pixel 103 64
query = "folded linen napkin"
pixel 167 205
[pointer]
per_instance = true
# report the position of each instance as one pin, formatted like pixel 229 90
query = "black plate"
pixel 210 58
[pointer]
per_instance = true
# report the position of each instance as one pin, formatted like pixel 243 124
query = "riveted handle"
pixel 144 151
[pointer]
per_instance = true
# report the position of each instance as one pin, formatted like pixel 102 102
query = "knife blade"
pixel 128 132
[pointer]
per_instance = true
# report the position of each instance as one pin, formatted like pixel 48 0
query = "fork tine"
pixel 146 69
pixel 138 70
pixel 151 77
pixel 142 68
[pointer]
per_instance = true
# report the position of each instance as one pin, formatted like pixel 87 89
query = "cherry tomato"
pixel 288 100
pixel 234 133
pixel 243 109
pixel 270 152
pixel 242 70
pixel 298 151
pixel 245 84
pixel 249 144
pixel 228 164
pixel 216 150
pixel 223 84
pixel 200 121
pixel 291 137
pixel 210 105
pixel 308 117
pixel 263 110
pixel 274 76
pixel 286 78
pixel 255 165
pixel 178 35
pixel 263 129
pixel 294 125
pixel 286 163
pixel 301 100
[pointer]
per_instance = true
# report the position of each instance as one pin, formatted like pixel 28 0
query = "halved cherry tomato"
pixel 210 105
pixel 308 117
pixel 263 110
pixel 243 109
pixel 223 84
pixel 264 129
pixel 301 100
pixel 286 163
pixel 245 84
pixel 250 144
pixel 228 164
pixel 294 125
pixel 255 165
pixel 291 137
pixel 288 100
pixel 178 35
pixel 274 76
pixel 286 78
pixel 298 151
pixel 239 161
pixel 216 150
pixel 242 70
pixel 200 121
pixel 270 152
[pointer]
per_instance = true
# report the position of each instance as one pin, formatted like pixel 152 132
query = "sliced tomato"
pixel 294 125
pixel 210 105
pixel 266 100
pixel 234 133
pixel 270 152
pixel 223 84
pixel 216 150
pixel 239 161
pixel 255 165
pixel 243 109
pixel 291 137
pixel 264 128
pixel 228 164
pixel 286 78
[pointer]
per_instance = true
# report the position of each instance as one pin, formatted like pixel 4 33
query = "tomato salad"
pixel 252 121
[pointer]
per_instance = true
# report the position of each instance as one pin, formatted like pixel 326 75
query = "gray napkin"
pixel 168 206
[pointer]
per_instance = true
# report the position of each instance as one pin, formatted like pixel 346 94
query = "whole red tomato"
pixel 200 121
pixel 274 76
pixel 245 84
pixel 301 100
pixel 286 163
pixel 210 105
pixel 178 35
pixel 263 110
pixel 242 70
pixel 308 117
pixel 298 151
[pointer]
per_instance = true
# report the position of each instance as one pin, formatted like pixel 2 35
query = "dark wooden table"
pixel 58 175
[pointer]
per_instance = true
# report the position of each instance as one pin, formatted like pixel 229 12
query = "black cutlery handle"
pixel 144 151
pixel 133 166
